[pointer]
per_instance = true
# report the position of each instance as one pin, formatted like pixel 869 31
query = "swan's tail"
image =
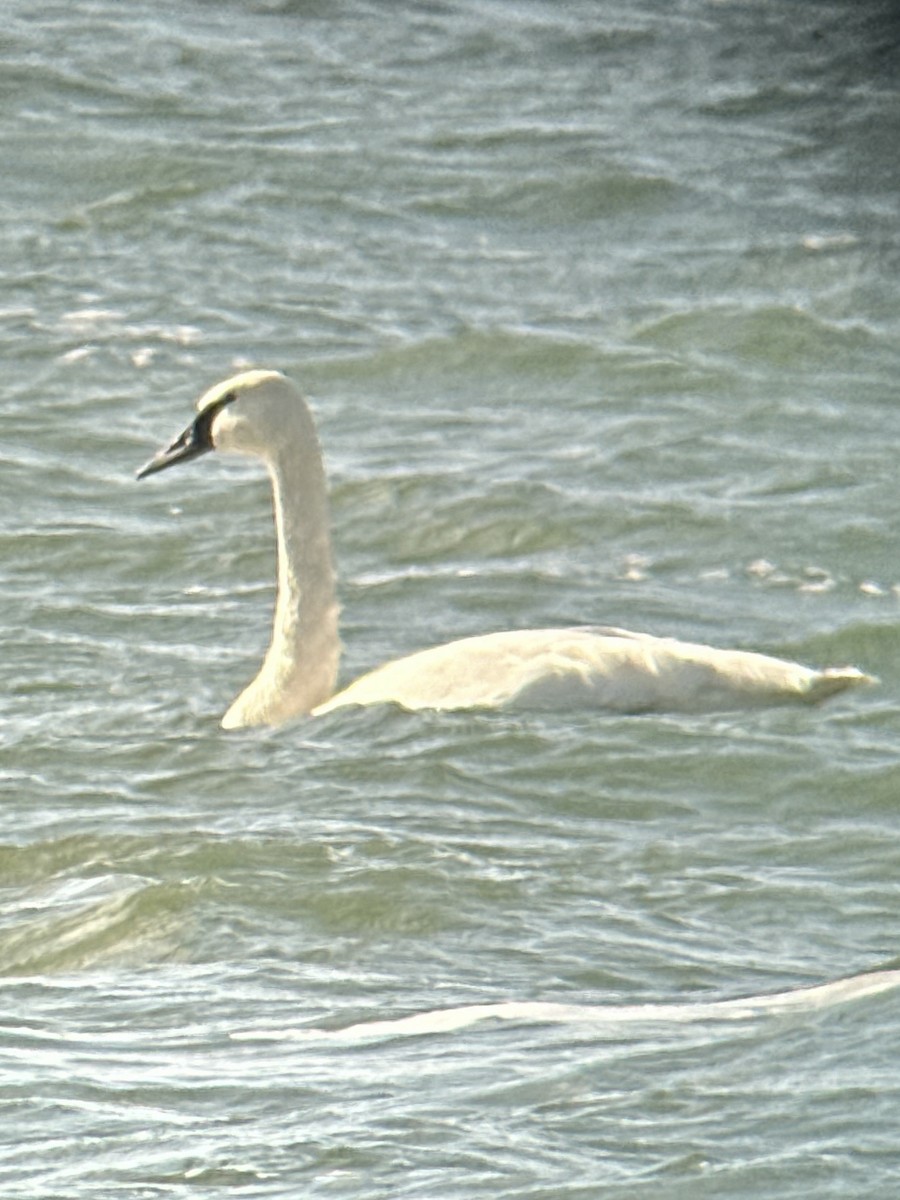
pixel 834 680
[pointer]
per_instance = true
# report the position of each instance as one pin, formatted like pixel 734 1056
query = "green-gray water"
pixel 597 306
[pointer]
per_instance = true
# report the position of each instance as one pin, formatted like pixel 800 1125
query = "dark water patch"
pixel 776 337
pixel 133 921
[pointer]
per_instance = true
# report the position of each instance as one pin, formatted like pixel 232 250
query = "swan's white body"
pixel 604 668
pixel 262 413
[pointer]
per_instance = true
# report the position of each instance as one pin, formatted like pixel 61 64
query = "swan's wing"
pixel 603 668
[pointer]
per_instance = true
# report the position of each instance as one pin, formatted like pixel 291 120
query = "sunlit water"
pixel 596 304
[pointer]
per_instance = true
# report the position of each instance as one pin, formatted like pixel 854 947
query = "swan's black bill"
pixel 196 439
pixel 192 443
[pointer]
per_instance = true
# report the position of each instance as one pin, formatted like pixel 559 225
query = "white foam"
pixel 447 1020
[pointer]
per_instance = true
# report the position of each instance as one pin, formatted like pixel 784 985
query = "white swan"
pixel 262 413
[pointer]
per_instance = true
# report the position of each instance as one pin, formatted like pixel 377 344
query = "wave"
pixel 600 1016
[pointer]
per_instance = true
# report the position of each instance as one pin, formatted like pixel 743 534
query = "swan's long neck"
pixel 300 667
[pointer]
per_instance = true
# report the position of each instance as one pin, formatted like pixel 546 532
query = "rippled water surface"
pixel 597 307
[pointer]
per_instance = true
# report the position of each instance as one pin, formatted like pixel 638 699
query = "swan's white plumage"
pixel 610 669
pixel 262 413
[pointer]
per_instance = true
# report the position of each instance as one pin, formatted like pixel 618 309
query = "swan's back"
pixel 603 668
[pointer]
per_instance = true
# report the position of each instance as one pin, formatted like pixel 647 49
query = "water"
pixel 597 307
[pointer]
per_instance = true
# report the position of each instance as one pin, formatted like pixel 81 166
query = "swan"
pixel 262 414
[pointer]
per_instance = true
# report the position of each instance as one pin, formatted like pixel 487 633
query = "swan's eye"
pixel 215 408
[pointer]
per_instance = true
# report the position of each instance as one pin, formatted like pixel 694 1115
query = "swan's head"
pixel 242 415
